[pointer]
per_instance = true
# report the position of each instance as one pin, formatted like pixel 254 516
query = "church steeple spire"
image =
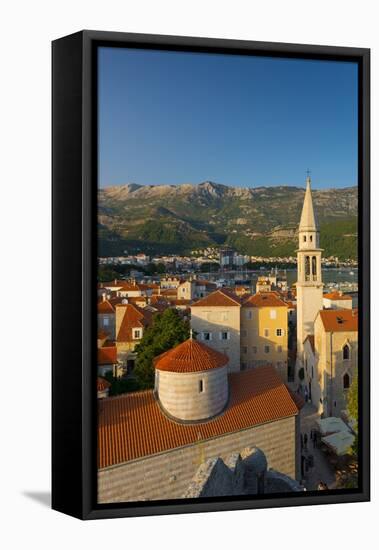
pixel 309 274
pixel 308 227
pixel 308 221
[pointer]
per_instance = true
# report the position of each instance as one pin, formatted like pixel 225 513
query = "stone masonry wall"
pixel 167 475
pixel 180 396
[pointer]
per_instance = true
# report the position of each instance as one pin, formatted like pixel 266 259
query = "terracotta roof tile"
pixel 102 384
pixel 220 297
pixel 134 317
pixel 133 425
pixel 339 320
pixel 337 296
pixel 102 335
pixel 105 306
pixel 264 299
pixel 107 355
pixel 190 356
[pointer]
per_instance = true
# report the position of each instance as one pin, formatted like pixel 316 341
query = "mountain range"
pixel 255 221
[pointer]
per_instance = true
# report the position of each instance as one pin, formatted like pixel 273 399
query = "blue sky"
pixel 175 117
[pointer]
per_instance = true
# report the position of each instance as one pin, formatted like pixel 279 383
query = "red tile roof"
pixel 105 306
pixel 190 356
pixel 220 297
pixel 339 320
pixel 107 355
pixel 102 384
pixel 125 285
pixel 337 296
pixel 134 317
pixel 180 302
pixel 102 335
pixel 133 426
pixel 264 299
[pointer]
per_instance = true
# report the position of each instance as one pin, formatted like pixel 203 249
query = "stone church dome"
pixel 191 381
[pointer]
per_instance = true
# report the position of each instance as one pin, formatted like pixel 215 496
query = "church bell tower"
pixel 309 277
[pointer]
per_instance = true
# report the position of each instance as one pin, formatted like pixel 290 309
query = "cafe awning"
pixel 331 425
pixel 339 442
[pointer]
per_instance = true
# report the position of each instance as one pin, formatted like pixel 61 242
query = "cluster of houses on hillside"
pixel 252 329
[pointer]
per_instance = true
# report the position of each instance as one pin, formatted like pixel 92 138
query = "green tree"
pixel 352 399
pixel 167 331
pixel 352 407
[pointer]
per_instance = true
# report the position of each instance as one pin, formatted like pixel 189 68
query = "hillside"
pixel 263 220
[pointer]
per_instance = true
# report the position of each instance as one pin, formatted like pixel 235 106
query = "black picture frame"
pixel 74 202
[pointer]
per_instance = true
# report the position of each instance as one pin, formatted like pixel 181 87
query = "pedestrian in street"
pixel 301 442
pixel 305 440
pixel 314 439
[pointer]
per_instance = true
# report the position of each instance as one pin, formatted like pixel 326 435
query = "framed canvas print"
pixel 210 275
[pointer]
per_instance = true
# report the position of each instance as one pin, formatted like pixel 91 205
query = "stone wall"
pixel 168 475
pixel 240 474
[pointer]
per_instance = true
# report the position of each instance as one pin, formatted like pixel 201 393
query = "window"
pixel 346 352
pixel 307 268
pixel 314 268
pixel 267 349
pixel 137 333
pixel 272 313
pixel 207 336
pixel 105 321
pixel 243 366
pixel 266 332
pixel 279 332
pixel 346 381
pixel 201 386
pixel 255 349
pixel 249 314
pixel 244 333
pixel 279 349
pixel 311 238
pixel 244 349
pixel 305 239
pixel 224 335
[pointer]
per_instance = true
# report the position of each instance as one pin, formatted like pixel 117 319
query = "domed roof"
pixel 190 356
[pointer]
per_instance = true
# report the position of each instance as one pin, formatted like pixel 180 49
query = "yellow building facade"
pixel 264 332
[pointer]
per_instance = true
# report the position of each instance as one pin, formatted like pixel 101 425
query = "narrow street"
pixel 321 470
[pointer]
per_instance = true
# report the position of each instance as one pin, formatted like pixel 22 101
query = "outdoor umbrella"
pixel 331 425
pixel 339 442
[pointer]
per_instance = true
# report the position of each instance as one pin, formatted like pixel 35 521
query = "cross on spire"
pixel 308 172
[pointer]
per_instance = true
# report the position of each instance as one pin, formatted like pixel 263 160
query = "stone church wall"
pixel 168 475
